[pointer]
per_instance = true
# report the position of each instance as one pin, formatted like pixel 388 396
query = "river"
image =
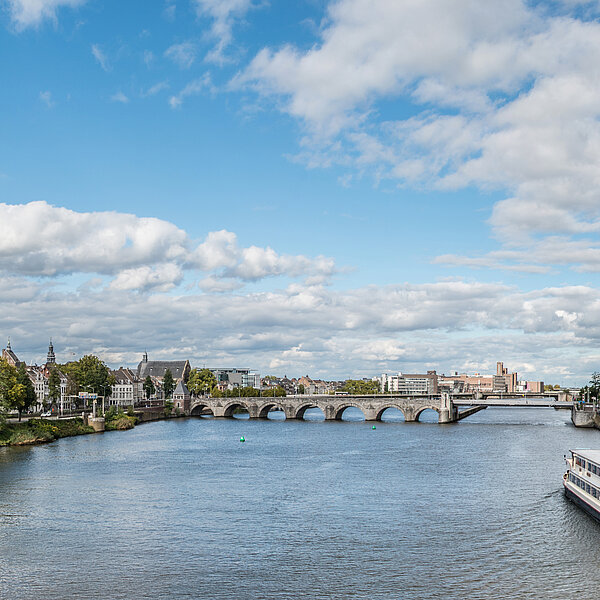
pixel 301 510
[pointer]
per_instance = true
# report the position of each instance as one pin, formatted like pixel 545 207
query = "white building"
pixel 127 390
pixel 410 383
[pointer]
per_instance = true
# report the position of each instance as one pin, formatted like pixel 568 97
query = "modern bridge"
pixel 450 407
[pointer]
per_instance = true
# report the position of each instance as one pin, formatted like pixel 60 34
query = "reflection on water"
pixel 303 509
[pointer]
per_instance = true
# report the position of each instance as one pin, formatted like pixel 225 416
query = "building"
pixel 502 382
pixel 228 378
pixel 410 383
pixel 463 383
pixel 180 369
pixel 9 356
pixel 40 378
pixel 127 389
pixel 181 398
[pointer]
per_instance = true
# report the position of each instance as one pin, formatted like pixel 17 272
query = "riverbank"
pixel 41 431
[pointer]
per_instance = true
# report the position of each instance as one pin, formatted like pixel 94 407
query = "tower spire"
pixel 8 344
pixel 51 358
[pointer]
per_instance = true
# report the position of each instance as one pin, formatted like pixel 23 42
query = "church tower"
pixel 51 358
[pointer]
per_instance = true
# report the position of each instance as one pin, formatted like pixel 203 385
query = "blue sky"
pixel 335 188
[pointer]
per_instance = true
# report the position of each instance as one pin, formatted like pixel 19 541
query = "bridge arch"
pixel 263 413
pixel 339 411
pixel 200 409
pixel 229 409
pixel 304 407
pixel 399 407
pixel 420 410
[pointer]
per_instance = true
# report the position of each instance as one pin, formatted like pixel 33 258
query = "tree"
pixel 168 384
pixel 54 386
pixel 89 374
pixel 201 381
pixel 595 385
pixel 12 393
pixel 360 386
pixel 276 392
pixel 149 388
pixel 301 388
pixel 29 397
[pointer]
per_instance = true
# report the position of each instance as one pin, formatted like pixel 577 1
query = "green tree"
pixel 12 393
pixel 168 384
pixel 29 397
pixel 201 381
pixel 277 392
pixel 360 386
pixel 595 385
pixel 54 385
pixel 89 374
pixel 301 388
pixel 149 388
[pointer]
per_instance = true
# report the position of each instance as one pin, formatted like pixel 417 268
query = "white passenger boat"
pixel 582 480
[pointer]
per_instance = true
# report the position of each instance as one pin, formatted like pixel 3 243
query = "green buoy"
pixel 373 427
pixel 242 439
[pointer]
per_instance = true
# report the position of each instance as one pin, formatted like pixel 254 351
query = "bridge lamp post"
pixel 104 387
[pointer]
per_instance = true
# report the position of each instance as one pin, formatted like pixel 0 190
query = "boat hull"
pixel 593 512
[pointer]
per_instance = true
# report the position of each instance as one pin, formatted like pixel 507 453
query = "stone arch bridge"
pixel 372 406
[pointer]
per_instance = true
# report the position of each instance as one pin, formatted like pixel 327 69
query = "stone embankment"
pixel 585 415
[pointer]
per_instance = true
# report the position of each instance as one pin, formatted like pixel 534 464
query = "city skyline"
pixel 306 188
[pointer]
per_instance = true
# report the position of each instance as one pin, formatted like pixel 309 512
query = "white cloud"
pixel 30 13
pixel 148 58
pixel 46 98
pixel 195 87
pixel 37 239
pixel 504 96
pixel 317 330
pixel 224 14
pixel 183 55
pixel 160 278
pixel 155 89
pixel 101 57
pixel 170 10
pixel 120 97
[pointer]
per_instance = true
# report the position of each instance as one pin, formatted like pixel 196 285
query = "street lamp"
pixel 104 387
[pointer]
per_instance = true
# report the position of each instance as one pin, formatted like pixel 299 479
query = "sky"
pixel 336 188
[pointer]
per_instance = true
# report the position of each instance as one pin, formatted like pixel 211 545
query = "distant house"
pixel 180 369
pixel 127 389
pixel 9 356
pixel 181 398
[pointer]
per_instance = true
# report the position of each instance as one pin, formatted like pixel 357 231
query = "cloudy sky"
pixel 339 188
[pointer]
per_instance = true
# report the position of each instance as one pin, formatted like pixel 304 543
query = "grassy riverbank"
pixel 120 422
pixel 38 431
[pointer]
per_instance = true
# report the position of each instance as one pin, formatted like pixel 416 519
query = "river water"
pixel 302 509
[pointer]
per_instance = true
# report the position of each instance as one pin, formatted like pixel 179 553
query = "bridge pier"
pixel 410 414
pixel 445 416
pixel 290 412
pixel 448 412
pixel 330 413
pixel 370 414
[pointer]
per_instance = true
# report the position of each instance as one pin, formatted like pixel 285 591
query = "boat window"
pixel 587 488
